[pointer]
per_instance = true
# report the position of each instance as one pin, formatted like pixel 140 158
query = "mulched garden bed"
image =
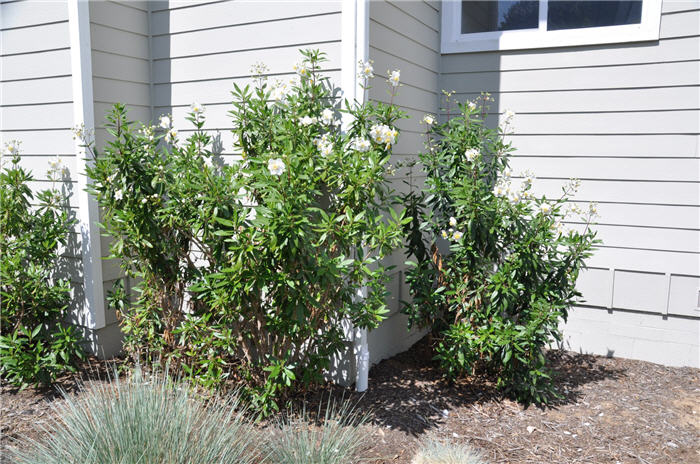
pixel 614 411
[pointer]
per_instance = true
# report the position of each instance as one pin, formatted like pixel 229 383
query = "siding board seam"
pixel 403 58
pixel 32 52
pixel 592 66
pixel 50 23
pixel 250 23
pixel 242 50
pixel 431 50
pixel 15 105
pixel 107 26
pixel 231 77
pixel 191 6
pixel 119 54
pixel 411 16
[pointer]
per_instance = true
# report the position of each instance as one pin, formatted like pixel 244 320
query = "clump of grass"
pixel 436 451
pixel 336 437
pixel 145 419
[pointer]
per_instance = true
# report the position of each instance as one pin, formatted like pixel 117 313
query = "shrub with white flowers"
pixel 36 342
pixel 249 270
pixel 493 271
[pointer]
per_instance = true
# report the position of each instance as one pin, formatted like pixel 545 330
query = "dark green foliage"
pixel 248 270
pixel 495 271
pixel 36 343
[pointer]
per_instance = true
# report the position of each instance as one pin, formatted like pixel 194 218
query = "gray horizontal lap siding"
pixel 625 118
pixel 403 35
pixel 36 103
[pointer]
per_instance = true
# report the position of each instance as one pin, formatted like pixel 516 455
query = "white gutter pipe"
pixel 355 47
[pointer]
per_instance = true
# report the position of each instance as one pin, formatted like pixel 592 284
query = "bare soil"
pixel 613 411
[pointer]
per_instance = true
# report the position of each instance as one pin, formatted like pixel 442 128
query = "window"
pixel 478 25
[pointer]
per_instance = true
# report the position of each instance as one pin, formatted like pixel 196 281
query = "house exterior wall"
pixel 200 50
pixel 625 119
pixel 36 103
pixel 404 35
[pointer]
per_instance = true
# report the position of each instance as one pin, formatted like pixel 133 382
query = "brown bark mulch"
pixel 613 411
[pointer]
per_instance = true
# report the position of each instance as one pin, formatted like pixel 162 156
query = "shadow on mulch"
pixel 409 392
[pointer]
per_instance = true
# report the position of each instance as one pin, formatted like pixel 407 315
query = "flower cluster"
pixel 471 154
pixel 361 145
pixel 365 70
pixel 280 90
pixel 302 69
pixel 328 117
pixel 12 147
pixel 197 110
pixel 394 77
pixel 276 166
pixel 383 134
pixel 56 169
pixel 165 121
pixel 456 235
pixel 324 144
pixel 307 120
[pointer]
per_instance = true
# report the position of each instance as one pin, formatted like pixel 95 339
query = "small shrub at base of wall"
pixel 36 342
pixel 494 267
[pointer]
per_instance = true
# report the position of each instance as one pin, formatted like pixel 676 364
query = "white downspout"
pixel 355 47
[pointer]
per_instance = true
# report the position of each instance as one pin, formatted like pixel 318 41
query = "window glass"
pixel 580 14
pixel 487 16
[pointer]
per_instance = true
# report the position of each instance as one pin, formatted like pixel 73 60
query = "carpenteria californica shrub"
pixel 144 419
pixel 494 267
pixel 247 270
pixel 36 342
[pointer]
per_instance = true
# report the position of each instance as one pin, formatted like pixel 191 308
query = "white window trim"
pixel 453 41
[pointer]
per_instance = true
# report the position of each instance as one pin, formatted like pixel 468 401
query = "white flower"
pixel 326 148
pixel 514 197
pixel 365 69
pixel 361 145
pixel 383 134
pixel 276 166
pixel 119 194
pixel 171 136
pixel 280 90
pixel 444 234
pixel 471 154
pixel 429 119
pixel 12 147
pixel 394 77
pixel 593 209
pixel 56 168
pixel 457 235
pixel 307 120
pixel 322 140
pixel 327 116
pixel 197 109
pixel 499 190
pixel 545 208
pixel 471 105
pixel 508 115
pixel 302 69
pixel 453 222
pixel 165 122
pixel 507 173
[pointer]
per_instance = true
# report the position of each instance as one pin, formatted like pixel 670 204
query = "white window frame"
pixel 453 41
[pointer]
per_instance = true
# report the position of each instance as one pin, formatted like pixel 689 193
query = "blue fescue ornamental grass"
pixel 338 439
pixel 146 419
pixel 435 451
